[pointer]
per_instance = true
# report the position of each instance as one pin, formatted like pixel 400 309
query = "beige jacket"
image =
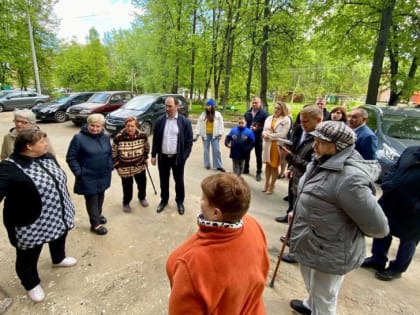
pixel 9 144
pixel 281 129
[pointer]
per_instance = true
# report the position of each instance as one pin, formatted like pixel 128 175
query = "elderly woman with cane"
pixel 130 150
pixel 335 207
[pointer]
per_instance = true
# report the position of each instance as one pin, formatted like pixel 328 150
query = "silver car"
pixel 21 99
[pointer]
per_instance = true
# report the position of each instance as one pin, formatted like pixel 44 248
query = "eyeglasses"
pixel 23 122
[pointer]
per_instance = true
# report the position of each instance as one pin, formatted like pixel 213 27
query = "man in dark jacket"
pixel 255 118
pixel 299 157
pixel 301 151
pixel 172 143
pixel 401 204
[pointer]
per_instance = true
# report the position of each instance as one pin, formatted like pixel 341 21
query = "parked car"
pixel 146 108
pixel 396 128
pixel 56 110
pixel 21 99
pixel 100 102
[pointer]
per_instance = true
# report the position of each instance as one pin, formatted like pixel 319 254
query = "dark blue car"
pixel 56 110
pixel 146 108
pixel 396 128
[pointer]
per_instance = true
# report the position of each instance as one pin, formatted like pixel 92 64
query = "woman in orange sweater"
pixel 222 268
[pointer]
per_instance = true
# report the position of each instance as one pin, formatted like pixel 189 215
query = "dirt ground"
pixel 124 271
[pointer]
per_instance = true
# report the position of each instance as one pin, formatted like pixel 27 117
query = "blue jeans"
pixel 405 253
pixel 215 150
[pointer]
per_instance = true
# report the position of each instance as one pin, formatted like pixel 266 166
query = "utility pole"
pixel 31 38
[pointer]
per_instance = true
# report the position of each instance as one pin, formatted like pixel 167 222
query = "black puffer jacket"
pixel 401 195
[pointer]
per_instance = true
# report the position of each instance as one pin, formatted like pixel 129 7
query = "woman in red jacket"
pixel 222 268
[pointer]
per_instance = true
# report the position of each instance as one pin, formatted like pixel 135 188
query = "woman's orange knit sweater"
pixel 220 271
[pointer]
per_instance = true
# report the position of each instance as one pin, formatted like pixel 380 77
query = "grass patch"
pixel 232 112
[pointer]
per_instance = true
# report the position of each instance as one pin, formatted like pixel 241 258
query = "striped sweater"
pixel 129 154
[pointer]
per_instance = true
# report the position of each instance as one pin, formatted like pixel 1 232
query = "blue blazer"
pixel 366 143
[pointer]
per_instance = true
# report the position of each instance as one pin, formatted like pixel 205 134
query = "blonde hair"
pixel 283 107
pixel 96 118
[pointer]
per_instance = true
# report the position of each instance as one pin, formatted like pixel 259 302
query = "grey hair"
pixel 312 110
pixel 25 113
pixel 94 118
pixel 363 111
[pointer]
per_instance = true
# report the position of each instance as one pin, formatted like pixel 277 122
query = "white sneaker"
pixel 36 294
pixel 66 262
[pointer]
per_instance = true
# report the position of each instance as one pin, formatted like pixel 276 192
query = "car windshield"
pixel 62 100
pixel 98 98
pixel 140 103
pixel 401 127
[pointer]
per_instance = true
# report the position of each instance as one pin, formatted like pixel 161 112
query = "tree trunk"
pixel 252 57
pixel 264 54
pixel 378 57
pixel 177 52
pixel 193 50
pixel 395 95
pixel 233 19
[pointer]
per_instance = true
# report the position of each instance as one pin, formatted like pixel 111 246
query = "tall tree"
pixel 379 54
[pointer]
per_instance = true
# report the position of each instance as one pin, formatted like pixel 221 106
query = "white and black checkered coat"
pixel 51 212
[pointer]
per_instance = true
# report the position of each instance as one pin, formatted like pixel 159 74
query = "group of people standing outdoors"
pixel 332 170
pixel 332 204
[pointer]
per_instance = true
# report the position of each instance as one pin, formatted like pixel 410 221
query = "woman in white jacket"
pixel 276 127
pixel 211 128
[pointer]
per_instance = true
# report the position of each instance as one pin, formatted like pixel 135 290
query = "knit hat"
pixel 210 102
pixel 336 132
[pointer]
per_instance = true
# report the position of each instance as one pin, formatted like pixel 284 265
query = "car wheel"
pixel 60 116
pixel 1 108
pixel 146 128
pixel 77 123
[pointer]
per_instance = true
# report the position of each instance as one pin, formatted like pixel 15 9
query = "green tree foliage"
pixel 230 50
pixel 14 36
pixel 382 32
pixel 83 67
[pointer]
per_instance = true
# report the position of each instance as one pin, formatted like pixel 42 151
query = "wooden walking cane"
pixel 286 239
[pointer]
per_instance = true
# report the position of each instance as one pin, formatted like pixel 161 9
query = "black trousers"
pixel 27 261
pixel 127 184
pixel 94 208
pixel 165 165
pixel 258 148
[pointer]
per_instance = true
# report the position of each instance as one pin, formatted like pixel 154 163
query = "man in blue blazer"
pixel 367 142
pixel 172 144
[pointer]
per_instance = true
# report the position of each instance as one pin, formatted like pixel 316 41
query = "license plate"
pixel 111 127
pixel 71 116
